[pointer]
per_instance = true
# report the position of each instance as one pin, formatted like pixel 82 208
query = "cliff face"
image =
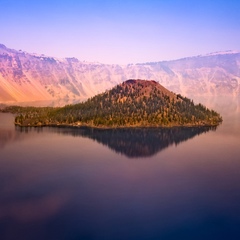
pixel 211 75
pixel 28 77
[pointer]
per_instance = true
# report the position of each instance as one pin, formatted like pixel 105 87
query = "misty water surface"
pixel 64 183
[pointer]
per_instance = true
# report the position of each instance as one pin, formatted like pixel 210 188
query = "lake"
pixel 138 184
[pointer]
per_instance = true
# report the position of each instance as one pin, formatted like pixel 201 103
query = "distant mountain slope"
pixel 213 74
pixel 28 77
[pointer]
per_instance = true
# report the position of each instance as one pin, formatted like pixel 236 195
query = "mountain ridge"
pixel 26 77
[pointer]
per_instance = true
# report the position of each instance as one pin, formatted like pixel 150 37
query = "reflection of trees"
pixel 142 142
pixel 134 142
pixel 11 135
pixel 6 135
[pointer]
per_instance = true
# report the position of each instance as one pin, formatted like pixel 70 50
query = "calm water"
pixel 63 183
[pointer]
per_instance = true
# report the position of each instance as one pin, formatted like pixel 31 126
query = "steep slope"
pixel 134 103
pixel 28 77
pixel 213 74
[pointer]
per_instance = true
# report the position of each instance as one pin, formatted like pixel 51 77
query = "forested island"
pixel 134 103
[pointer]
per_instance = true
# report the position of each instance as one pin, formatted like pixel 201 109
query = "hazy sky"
pixel 120 31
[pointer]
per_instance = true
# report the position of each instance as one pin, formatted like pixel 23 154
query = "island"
pixel 133 103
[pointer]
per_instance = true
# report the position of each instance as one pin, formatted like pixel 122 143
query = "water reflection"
pixel 62 183
pixel 133 143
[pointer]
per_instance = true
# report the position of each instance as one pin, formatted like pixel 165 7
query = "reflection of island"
pixel 134 142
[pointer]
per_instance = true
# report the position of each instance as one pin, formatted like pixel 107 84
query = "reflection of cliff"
pixel 136 142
